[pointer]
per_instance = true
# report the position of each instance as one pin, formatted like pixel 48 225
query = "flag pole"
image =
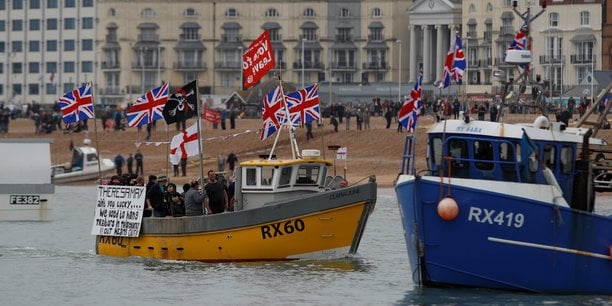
pixel 199 134
pixel 93 103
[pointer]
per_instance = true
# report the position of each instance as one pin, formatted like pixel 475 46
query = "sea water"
pixel 53 263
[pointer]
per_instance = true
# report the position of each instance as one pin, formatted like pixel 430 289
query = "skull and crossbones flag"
pixel 181 104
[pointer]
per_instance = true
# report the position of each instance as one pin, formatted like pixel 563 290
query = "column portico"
pixel 426 54
pixel 440 52
pixel 413 53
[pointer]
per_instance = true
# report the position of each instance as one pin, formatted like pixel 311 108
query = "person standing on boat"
pixel 194 200
pixel 174 201
pixel 138 157
pixel 155 197
pixel 216 201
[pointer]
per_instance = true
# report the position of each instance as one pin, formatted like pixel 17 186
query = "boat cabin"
pixel 490 151
pixel 82 157
pixel 263 181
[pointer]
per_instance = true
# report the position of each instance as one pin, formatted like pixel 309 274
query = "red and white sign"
pixel 257 60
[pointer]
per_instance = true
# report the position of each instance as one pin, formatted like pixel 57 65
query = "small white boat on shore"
pixel 26 191
pixel 82 167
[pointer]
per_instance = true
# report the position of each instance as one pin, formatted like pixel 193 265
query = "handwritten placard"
pixel 118 211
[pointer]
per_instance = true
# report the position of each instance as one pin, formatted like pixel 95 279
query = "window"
pixel 34 46
pixel 88 3
pixel 33 67
pixel 69 45
pixel 33 89
pixel 190 12
pixel 549 156
pixel 307 175
pixel 231 13
pixel 2 5
pixel 344 34
pixel 309 13
pixel 271 13
pixel 285 177
pixel 87 45
pixel 51 89
pixel 34 4
pixel 52 45
pixel 17 46
pixel 483 153
pixel 472 8
pixel 190 33
pixel 2 25
pixel 376 12
pixel 310 34
pixel 585 18
pixel 68 66
pixel 251 177
pixel 51 67
pixel 52 4
pixel 69 24
pixel 69 3
pixel 267 174
pixel 344 12
pixel 87 23
pixel 87 66
pixel 436 150
pixel 274 34
pixel 458 152
pixel 17 25
pixel 376 34
pixel 2 46
pixel 566 157
pixel 17 89
pixel 148 12
pixel 553 20
pixel 489 7
pixel 34 24
pixel 52 24
pixel 17 68
pixel 17 4
pixel 112 12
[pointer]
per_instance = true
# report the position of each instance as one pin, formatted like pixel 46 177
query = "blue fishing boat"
pixel 506 206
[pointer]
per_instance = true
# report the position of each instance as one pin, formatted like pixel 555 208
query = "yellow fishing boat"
pixel 285 209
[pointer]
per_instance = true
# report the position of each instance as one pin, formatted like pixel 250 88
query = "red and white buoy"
pixel 448 210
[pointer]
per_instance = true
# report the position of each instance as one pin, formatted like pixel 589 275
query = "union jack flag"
pixel 77 105
pixel 459 62
pixel 149 107
pixel 520 39
pixel 455 64
pixel 409 112
pixel 304 104
pixel 272 110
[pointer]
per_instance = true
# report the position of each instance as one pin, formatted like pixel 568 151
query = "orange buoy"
pixel 448 210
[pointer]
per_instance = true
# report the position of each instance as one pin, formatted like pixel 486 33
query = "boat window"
pixel 266 176
pixel 436 149
pixel 483 155
pixel 566 157
pixel 251 177
pixel 458 151
pixel 307 175
pixel 285 177
pixel 77 160
pixel 92 157
pixel 549 156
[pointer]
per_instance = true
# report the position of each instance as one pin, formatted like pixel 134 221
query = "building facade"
pixel 46 48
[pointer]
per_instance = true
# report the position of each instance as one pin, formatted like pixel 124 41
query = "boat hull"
pixel 503 238
pixel 323 225
pixel 90 173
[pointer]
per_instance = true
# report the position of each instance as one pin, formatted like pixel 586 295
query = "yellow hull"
pixel 332 233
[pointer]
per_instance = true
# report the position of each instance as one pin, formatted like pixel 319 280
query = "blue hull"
pixel 502 241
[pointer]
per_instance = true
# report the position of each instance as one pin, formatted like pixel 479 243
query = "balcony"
pixel 148 66
pixel 343 38
pixel 109 91
pixel 309 66
pixel 508 30
pixel 310 38
pixel 501 61
pixel 375 66
pixel 582 59
pixel 189 66
pixel 555 59
pixel 231 38
pixel 376 38
pixel 486 62
pixel 473 63
pixel 228 65
pixel 110 65
pixel 345 65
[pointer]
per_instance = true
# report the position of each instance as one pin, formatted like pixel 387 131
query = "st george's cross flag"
pixel 77 105
pixel 304 105
pixel 149 107
pixel 409 112
pixel 184 144
pixel 272 110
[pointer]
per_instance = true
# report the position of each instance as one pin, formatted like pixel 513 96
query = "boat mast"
pixel 287 122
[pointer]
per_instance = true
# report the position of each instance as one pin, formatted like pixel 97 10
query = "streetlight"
pixel 240 63
pixel 143 49
pixel 399 72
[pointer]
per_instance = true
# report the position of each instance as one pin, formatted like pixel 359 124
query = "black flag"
pixel 181 105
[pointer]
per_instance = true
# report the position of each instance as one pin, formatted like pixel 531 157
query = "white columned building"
pixel 431 25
